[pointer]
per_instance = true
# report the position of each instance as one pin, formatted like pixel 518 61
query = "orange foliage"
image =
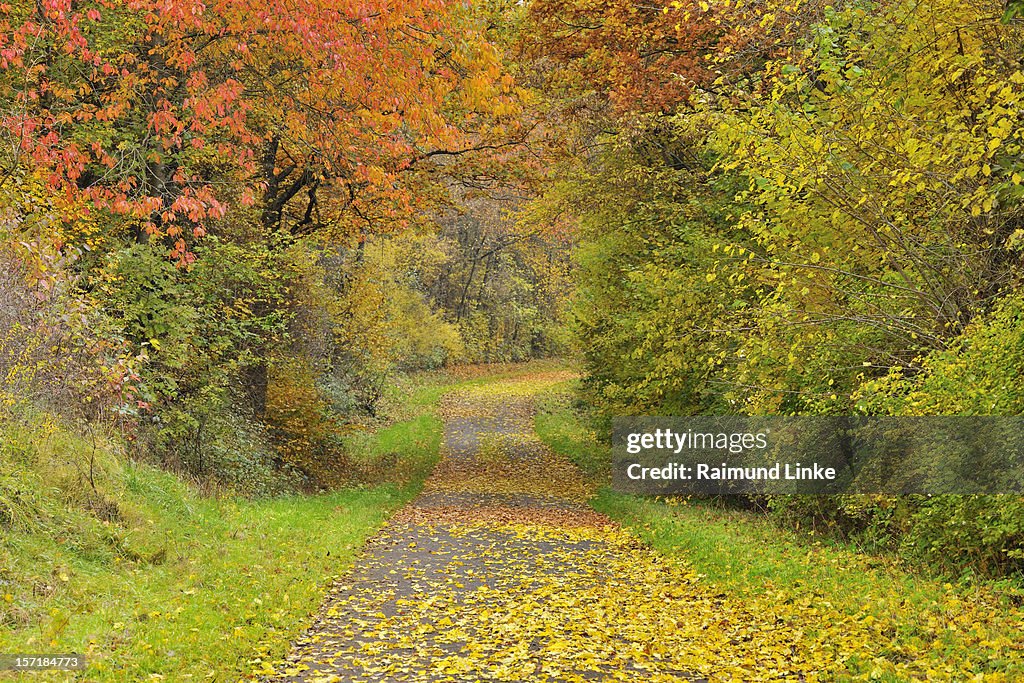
pixel 164 112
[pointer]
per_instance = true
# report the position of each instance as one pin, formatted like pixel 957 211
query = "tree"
pixel 142 109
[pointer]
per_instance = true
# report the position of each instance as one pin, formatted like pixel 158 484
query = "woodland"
pixel 248 247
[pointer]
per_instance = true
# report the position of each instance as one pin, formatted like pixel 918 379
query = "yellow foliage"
pixel 302 430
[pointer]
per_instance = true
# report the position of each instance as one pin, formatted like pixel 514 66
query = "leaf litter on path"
pixel 500 572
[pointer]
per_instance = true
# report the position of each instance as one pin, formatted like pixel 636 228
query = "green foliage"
pixel 646 312
pixel 978 374
pixel 835 229
pixel 198 330
pixel 983 534
pixel 783 240
pixel 885 217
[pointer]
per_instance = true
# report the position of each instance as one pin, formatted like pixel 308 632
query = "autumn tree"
pixel 886 209
pixel 136 106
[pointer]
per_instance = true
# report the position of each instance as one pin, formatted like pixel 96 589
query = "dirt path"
pixel 500 572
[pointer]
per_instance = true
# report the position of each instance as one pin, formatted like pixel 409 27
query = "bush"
pixel 304 431
pixel 56 348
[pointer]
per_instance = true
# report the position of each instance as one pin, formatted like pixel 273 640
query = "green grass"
pixel 566 432
pixel 152 579
pixel 147 577
pixel 748 555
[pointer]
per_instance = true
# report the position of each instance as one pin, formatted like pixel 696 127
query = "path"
pixel 499 571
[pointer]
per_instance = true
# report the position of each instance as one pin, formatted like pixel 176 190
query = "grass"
pixel 151 579
pixel 148 578
pixel 561 427
pixel 915 616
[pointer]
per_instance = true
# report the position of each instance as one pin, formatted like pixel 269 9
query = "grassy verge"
pixel 898 621
pixel 150 579
pixel 558 424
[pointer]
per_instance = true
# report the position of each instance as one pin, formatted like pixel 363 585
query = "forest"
pixel 261 261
